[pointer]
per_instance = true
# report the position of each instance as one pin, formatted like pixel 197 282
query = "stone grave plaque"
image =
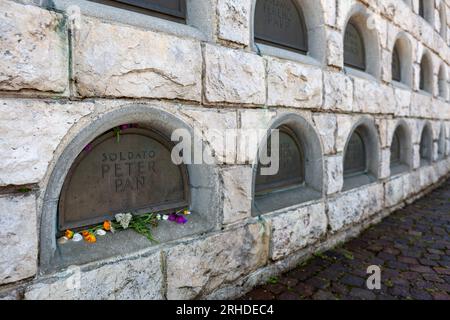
pixel 396 70
pixel 175 8
pixel 395 150
pixel 354 52
pixel 291 165
pixel 355 156
pixel 280 23
pixel 134 173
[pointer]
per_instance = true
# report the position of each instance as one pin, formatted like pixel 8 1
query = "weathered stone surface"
pixel 237 193
pixel 334 179
pixel 403 99
pixel 110 62
pixel 394 190
pixel 371 97
pixel 344 125
pixel 233 76
pixel 421 105
pixel 218 128
pixel 338 91
pixel 30 131
pixel 33 49
pixel 234 20
pixel 292 84
pixel 197 268
pixel 293 230
pixel 18 238
pixel 138 277
pixel 354 206
pixel 326 126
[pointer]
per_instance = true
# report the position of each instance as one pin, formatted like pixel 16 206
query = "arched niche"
pixel 426 74
pixel 201 183
pixel 361 155
pixel 426 10
pixel 426 145
pixel 402 60
pixel 401 149
pixel 300 175
pixel 281 23
pixel 311 30
pixel 360 43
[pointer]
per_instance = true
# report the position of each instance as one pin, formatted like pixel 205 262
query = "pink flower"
pixel 88 147
pixel 173 217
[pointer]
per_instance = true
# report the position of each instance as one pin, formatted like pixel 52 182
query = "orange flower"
pixel 69 234
pixel 85 233
pixel 107 225
pixel 90 237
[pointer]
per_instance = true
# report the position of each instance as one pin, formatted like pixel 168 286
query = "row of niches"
pixel 289 27
pixel 129 169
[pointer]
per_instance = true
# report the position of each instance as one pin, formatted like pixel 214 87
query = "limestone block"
pixel 292 84
pixel 237 193
pixel 30 131
pixel 219 130
pixel 110 62
pixel 33 49
pixel 294 230
pixel 394 190
pixel 18 238
pixel 326 125
pixel 137 277
pixel 403 102
pixel 354 206
pixel 234 76
pixel 371 97
pixel 334 173
pixel 344 126
pixel 234 20
pixel 196 268
pixel 338 91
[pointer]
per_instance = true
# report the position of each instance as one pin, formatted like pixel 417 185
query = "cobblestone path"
pixel 412 247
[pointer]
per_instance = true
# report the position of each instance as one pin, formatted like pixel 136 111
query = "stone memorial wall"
pixel 91 94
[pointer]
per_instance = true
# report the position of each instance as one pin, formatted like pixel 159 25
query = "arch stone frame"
pixel 367 130
pixel 443 82
pixel 404 49
pixel 358 16
pixel 426 78
pixel 203 184
pixel 312 188
pixel 426 145
pixel 403 133
pixel 313 13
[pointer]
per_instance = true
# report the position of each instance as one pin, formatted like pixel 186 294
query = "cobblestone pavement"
pixel 412 247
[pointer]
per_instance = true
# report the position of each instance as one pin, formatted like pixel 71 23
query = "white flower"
pixel 77 237
pixel 165 217
pixel 124 219
pixel 100 232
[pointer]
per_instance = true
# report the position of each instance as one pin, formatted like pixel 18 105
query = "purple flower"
pixel 173 217
pixel 125 126
pixel 181 220
pixel 88 147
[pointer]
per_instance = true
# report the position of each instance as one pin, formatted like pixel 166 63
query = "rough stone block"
pixel 237 193
pixel 110 62
pixel 292 84
pixel 234 76
pixel 30 131
pixel 18 238
pixel 234 20
pixel 33 49
pixel 296 229
pixel 197 268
